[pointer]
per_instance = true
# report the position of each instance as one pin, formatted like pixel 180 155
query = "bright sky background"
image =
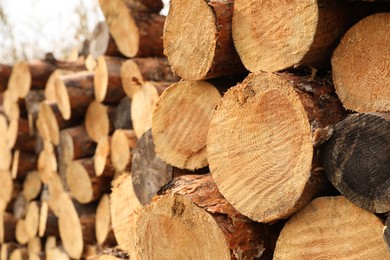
pixel 42 26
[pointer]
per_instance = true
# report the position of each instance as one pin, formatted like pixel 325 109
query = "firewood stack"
pixel 275 143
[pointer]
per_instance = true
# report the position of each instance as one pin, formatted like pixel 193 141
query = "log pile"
pixel 265 130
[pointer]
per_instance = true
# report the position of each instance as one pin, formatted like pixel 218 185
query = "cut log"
pixel 83 183
pixel 297 33
pixel 136 71
pixel 120 150
pixel 97 123
pixel 27 162
pixel 31 220
pixel 143 37
pixel 104 232
pixel 193 211
pixel 356 160
pixel 34 246
pixel 123 115
pixel 180 137
pixel 11 105
pixel 101 154
pixel 47 163
pixel 263 139
pixel 25 141
pixel 149 172
pixel 123 202
pixel 47 124
pixel 199 44
pixel 75 143
pixel 32 186
pixel 9 226
pixel 332 227
pixel 21 234
pixel 5 156
pixel 363 86
pixel 107 79
pixel 20 80
pixel 56 92
pixel 142 107
pixel 19 254
pixel 101 42
pixel 6 189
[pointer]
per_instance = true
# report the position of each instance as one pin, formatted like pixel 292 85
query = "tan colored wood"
pixel 192 211
pixel 15 162
pixel 332 227
pixel 199 44
pixel 120 150
pixel 32 219
pixel 19 254
pixel 362 86
pixel 43 214
pixel 134 73
pixel 47 163
pixel 143 35
pixel 55 91
pixel 181 122
pixel 47 124
pixel 51 243
pixel 56 253
pixel 97 123
pixel 11 134
pixel 21 234
pixel 90 62
pixel 123 202
pixel 6 189
pixel 103 228
pixel 10 105
pixel 75 143
pixel 101 153
pixel 20 79
pixel 264 139
pixel 34 246
pixel 32 185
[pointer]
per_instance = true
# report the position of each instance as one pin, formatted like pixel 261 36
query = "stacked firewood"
pixel 273 144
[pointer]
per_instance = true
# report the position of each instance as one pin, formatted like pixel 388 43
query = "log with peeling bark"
pixel 297 33
pixel 263 139
pixel 143 37
pixel 25 140
pixel 107 79
pixel 199 44
pixel 122 216
pixel 83 183
pixel 332 227
pixel 149 172
pixel 75 143
pixel 135 72
pixel 191 210
pixel 363 86
pixel 123 116
pixel 102 43
pixel 181 122
pixel 356 160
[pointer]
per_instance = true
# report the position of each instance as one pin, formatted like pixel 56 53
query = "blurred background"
pixel 31 28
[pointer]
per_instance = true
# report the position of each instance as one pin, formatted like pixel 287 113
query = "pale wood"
pixel 6 189
pixel 34 246
pixel 20 79
pixel 144 31
pixel 143 105
pixel 264 139
pixel 47 124
pixel 21 234
pixel 96 121
pixel 15 162
pixel 32 219
pixel 123 202
pixel 120 150
pixel 10 105
pixel 100 157
pixel 134 73
pixel 199 44
pixel 43 215
pixel 56 253
pixel 47 163
pixel 19 254
pixel 191 213
pixel 181 122
pixel 32 185
pixel 11 134
pixel 103 229
pixel 55 91
pixel 275 43
pixel 332 227
pixel 362 86
pixel 75 143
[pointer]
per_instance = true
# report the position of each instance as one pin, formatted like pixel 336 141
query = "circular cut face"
pixel 361 65
pixel 180 230
pixel 97 123
pixel 332 228
pixel 259 148
pixel 79 182
pixel 190 40
pixel 103 220
pixel 181 122
pixel 131 77
pixel 273 35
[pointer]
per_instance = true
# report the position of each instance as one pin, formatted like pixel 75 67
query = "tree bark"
pixel 356 160
pixel 123 115
pixel 211 57
pixel 191 209
pixel 323 223
pixel 264 137
pixel 180 136
pixel 297 33
pixel 363 86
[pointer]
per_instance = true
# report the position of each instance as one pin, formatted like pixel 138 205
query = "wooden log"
pixel 337 228
pixel 97 122
pixel 101 154
pixel 123 116
pixel 25 140
pixel 264 137
pixel 356 160
pixel 386 232
pixel 275 43
pixel 31 220
pixel 27 162
pixel 20 80
pixel 102 43
pixel 103 228
pixel 149 172
pixel 6 190
pixel 192 209
pixel 123 203
pixel 362 86
pixel 120 150
pixel 83 183
pixel 107 80
pixel 180 137
pixel 211 57
pixel 9 225
pixel 75 143
pixel 135 72
pixel 143 37
pixel 32 186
